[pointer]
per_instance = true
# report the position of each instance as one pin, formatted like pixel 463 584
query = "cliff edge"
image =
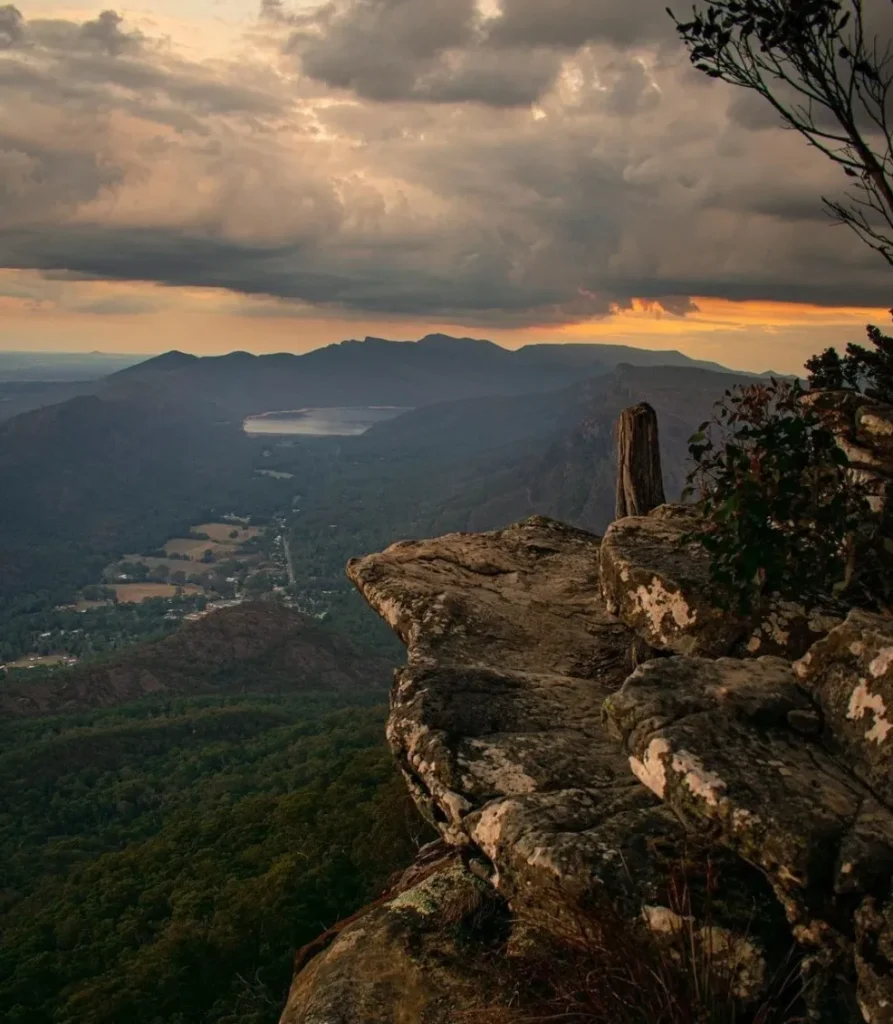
pixel 576 717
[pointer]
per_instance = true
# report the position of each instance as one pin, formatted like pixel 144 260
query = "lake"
pixel 331 422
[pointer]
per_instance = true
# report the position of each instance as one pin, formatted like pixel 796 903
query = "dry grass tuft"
pixel 594 966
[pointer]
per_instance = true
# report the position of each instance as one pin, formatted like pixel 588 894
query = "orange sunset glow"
pixel 285 183
pixel 77 316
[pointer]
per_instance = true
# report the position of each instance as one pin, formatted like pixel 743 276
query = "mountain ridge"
pixel 379 371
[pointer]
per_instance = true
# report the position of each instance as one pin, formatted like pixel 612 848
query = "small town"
pixel 218 565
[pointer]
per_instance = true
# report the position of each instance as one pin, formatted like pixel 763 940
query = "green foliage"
pixel 827 371
pixel 161 862
pixel 872 367
pixel 94 631
pixel 869 370
pixel 780 515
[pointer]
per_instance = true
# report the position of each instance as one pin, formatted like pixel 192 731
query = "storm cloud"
pixel 506 165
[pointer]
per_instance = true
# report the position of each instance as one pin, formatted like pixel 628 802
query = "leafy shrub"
pixel 780 513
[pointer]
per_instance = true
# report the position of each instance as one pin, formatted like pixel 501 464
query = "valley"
pixel 437 623
pixel 217 565
pixel 218 516
pixel 194 772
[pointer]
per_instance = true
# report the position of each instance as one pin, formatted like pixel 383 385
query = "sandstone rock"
pixel 722 742
pixel 714 740
pixel 659 584
pixel 850 673
pixel 864 432
pixel 417 957
pixel 874 962
pixel 496 721
pixel 730 954
pixel 786 629
pixel 526 741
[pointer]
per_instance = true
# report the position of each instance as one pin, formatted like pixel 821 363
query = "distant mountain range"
pixel 550 453
pixel 375 371
pixel 493 435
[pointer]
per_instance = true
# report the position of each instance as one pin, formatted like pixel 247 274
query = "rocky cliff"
pixel 580 722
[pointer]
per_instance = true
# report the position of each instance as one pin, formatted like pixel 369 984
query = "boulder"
pixel 850 674
pixel 496 719
pixel 863 428
pixel 420 954
pixel 656 578
pixel 658 582
pixel 738 748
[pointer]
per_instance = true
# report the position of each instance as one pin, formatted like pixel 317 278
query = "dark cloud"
pixel 12 26
pixel 102 35
pixel 447 51
pixel 106 34
pixel 573 23
pixel 675 305
pixel 432 51
pixel 430 162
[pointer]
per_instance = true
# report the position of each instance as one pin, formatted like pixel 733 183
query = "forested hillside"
pixel 259 647
pixel 161 863
pixel 162 859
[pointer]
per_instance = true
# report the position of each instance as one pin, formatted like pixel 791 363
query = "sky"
pixel 213 175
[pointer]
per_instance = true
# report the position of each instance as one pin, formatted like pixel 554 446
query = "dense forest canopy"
pixel 161 862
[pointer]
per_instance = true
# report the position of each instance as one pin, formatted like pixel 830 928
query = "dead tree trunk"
pixel 640 485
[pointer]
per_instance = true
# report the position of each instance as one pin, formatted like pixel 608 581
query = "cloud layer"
pixel 507 165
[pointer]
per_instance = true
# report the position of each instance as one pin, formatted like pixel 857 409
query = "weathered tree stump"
pixel 640 485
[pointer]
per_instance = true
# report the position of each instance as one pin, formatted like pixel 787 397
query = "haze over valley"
pixel 155 537
pixel 446 512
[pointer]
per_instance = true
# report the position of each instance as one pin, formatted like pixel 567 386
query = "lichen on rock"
pixel 850 674
pixel 719 741
pixel 566 766
pixel 656 578
pixel 418 955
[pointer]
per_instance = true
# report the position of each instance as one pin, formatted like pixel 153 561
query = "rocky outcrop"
pixel 656 578
pixel 418 954
pixel 739 746
pixel 569 766
pixel 864 431
pixel 496 720
pixel 850 675
pixel 657 581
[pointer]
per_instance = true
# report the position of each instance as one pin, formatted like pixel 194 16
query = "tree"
pixel 869 370
pixel 826 371
pixel 827 76
pixel 778 514
pixel 873 368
